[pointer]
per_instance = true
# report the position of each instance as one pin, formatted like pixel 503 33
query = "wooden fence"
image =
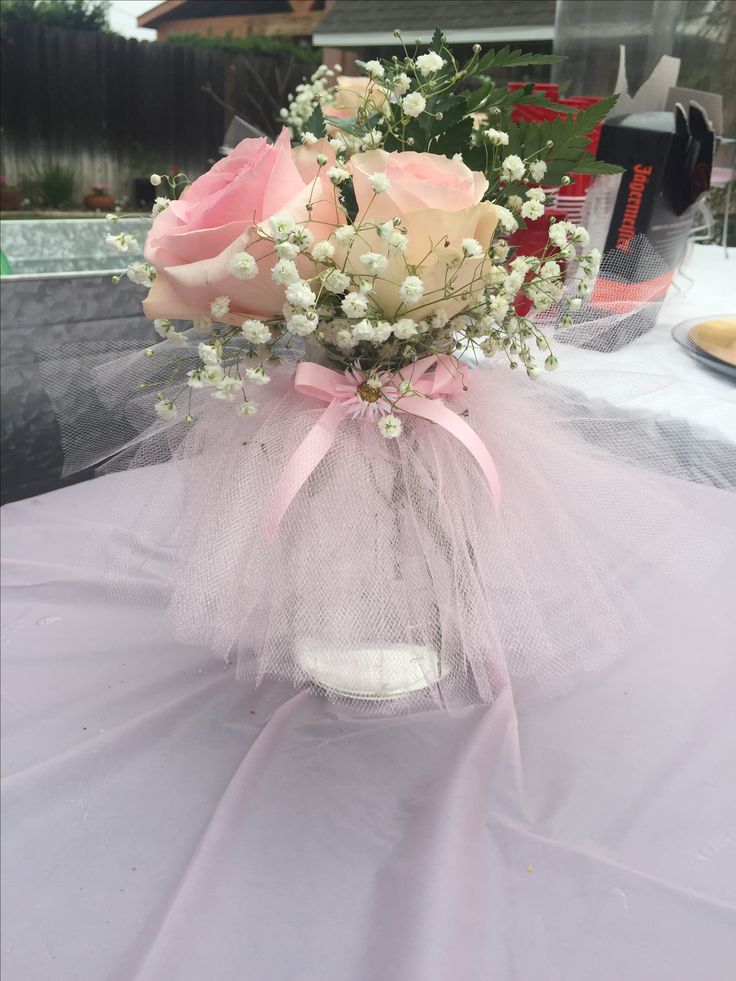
pixel 114 108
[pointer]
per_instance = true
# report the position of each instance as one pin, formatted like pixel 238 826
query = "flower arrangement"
pixel 381 237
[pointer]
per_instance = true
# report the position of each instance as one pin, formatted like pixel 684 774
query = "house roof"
pixel 372 22
pixel 185 9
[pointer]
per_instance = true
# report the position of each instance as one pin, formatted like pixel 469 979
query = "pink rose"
pixel 438 202
pixel 350 95
pixel 192 242
pixel 418 181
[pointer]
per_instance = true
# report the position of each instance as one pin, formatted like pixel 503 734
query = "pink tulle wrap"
pixel 396 542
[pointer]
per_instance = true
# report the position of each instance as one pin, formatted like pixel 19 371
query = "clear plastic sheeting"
pixel 589 32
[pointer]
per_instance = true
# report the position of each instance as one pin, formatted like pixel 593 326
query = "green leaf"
pixel 454 139
pixel 346 125
pixel 505 58
pixel 316 123
pixel 568 136
pixel 589 165
pixel 438 40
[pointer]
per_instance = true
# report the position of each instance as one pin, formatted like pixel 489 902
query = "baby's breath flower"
pixel 243 266
pixel 550 270
pixel 381 333
pixel 162 327
pixel 344 339
pixel 531 210
pixel 506 220
pixel 335 281
pixel 139 273
pixel 256 332
pixel 374 262
pixel 537 169
pixel 389 426
pixel 159 205
pixel 302 324
pixel 398 242
pixel 285 272
pixel 323 251
pixel 287 250
pixel 227 388
pixel 212 373
pixel 373 138
pixel 281 227
pixel 345 234
pixel 338 175
pixel 219 307
pixel 302 238
pixel 401 84
pixel 165 408
pixel 208 354
pixel 300 294
pixel 558 233
pixel 405 328
pixel 512 168
pixel 247 409
pixel 155 179
pixel 413 104
pixel 374 68
pixel 497 137
pixel 257 375
pixel 411 290
pixel 379 182
pixel 354 306
pixel 536 194
pixel 472 248
pixel 514 202
pixel 363 331
pixel 429 63
pixel 308 139
pixel 123 242
pixel 202 323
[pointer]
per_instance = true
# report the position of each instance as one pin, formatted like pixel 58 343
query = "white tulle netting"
pixel 396 543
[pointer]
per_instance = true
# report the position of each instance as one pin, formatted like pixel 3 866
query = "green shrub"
pixel 78 15
pixel 271 47
pixel 51 186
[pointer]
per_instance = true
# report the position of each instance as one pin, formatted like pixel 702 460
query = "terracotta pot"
pixel 10 198
pixel 99 202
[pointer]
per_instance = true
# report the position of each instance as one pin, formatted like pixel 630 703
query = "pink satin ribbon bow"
pixel 448 378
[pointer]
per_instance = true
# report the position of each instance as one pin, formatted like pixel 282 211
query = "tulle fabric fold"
pixel 397 542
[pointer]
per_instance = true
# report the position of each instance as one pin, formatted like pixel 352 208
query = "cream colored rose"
pixel 438 202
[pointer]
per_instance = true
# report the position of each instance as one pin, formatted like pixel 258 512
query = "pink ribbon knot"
pixel 340 391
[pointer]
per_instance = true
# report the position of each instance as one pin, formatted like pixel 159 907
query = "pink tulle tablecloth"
pixel 163 822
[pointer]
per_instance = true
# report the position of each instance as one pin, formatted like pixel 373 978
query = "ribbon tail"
pixel 305 459
pixel 441 415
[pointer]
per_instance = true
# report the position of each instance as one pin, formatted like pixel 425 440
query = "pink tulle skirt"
pixel 394 545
